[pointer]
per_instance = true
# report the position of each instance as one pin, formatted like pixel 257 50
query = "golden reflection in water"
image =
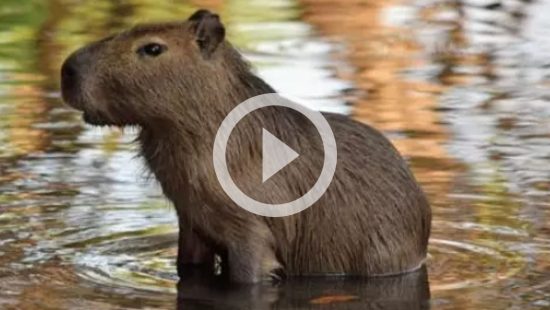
pixel 28 110
pixel 379 53
pixel 40 296
pixel 392 103
pixel 33 80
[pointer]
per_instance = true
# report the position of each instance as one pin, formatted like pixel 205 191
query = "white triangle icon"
pixel 275 155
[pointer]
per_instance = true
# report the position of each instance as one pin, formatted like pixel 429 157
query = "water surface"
pixel 461 87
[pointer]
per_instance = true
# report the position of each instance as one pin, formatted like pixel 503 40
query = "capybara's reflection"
pixel 408 292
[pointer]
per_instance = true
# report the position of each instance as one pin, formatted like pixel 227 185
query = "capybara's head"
pixel 142 76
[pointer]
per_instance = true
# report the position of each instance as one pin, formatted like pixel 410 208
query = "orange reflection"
pixel 379 54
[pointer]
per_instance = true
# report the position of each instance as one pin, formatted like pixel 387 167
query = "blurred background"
pixel 462 87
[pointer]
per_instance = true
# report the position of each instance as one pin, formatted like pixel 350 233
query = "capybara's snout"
pixel 71 81
pixel 77 80
pixel 75 71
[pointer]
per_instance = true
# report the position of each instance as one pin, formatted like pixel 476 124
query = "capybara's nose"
pixel 68 71
pixel 70 82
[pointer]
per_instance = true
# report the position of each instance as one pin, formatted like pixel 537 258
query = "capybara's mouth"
pixel 73 103
pixel 94 119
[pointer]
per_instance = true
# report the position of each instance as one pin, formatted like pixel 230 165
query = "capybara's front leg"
pixel 193 253
pixel 252 259
pixel 250 264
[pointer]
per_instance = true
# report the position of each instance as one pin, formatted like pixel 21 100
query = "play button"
pixel 275 155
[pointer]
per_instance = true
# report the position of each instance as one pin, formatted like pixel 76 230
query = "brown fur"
pixel 373 220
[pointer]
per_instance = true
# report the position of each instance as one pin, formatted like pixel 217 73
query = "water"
pixel 461 87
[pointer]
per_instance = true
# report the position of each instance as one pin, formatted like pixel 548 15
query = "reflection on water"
pixel 406 292
pixel 461 87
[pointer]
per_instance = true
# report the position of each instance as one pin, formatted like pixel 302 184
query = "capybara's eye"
pixel 152 49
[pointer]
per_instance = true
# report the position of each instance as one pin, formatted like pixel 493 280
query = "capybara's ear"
pixel 208 29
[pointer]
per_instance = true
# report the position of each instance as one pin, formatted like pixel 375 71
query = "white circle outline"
pixel 250 204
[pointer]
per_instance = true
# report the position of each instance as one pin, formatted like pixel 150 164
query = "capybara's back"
pixel 373 220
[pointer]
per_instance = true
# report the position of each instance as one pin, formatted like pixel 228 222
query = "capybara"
pixel 176 82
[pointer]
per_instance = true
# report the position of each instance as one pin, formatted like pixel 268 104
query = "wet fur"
pixel 373 220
